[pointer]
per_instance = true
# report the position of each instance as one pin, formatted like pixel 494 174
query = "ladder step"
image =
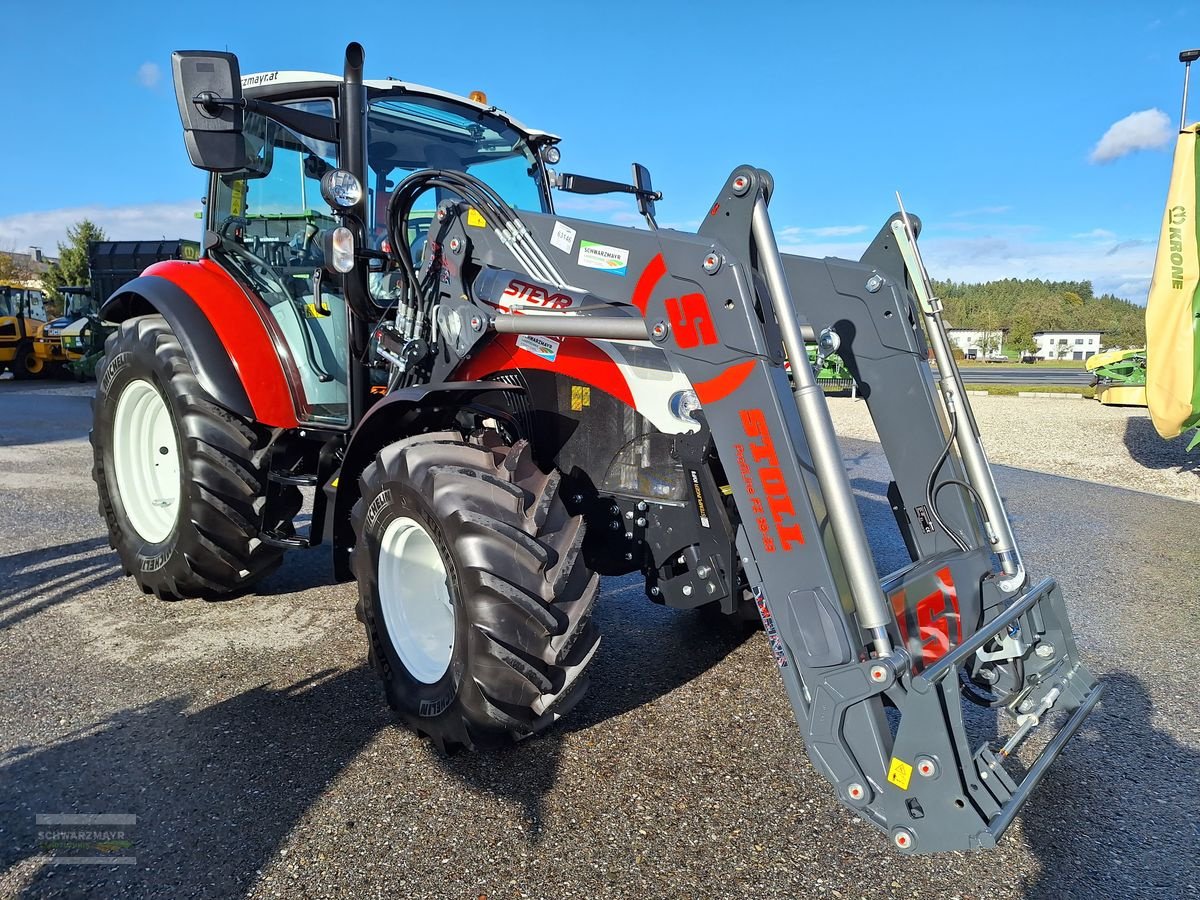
pixel 284 543
pixel 298 480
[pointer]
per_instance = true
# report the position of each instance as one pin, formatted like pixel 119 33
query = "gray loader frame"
pixel 875 670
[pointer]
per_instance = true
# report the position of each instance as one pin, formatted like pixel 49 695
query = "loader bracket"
pixel 968 798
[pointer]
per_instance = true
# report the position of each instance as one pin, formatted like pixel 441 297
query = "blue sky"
pixel 985 115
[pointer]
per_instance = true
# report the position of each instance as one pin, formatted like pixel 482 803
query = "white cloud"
pixel 594 204
pixel 1123 268
pixel 149 74
pixel 1145 130
pixel 152 221
pixel 822 231
pixel 1099 234
pixel 981 211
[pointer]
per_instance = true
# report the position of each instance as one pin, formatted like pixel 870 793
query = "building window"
pixel 1079 341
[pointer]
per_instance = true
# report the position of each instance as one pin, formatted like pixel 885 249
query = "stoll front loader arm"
pixel 876 671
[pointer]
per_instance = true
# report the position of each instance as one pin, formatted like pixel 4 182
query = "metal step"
pixel 297 480
pixel 284 543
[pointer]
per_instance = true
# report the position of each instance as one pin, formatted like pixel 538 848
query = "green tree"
pixel 1020 335
pixel 15 270
pixel 72 266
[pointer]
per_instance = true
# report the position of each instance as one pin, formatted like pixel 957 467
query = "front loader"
pixel 490 405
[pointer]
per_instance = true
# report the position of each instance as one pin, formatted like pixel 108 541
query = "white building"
pixel 1076 345
pixel 976 343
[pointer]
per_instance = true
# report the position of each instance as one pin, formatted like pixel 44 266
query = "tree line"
pixel 1026 305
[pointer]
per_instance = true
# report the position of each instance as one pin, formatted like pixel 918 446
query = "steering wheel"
pixel 260 266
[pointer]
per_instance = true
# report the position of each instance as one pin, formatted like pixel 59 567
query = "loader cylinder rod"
pixel 874 613
pixel 970 448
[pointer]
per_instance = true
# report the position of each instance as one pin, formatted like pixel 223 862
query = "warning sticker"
pixel 563 237
pixel 899 773
pixel 581 397
pixel 540 345
pixel 601 256
pixel 474 219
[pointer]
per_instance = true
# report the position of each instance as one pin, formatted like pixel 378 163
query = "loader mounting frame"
pixel 854 652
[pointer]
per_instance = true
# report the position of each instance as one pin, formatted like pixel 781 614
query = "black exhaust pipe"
pixel 354 121
pixel 354 158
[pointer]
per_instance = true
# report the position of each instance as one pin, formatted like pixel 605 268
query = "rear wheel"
pixel 181 480
pixel 26 364
pixel 474 595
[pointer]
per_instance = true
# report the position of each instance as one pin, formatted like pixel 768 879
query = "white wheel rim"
pixel 146 461
pixel 415 597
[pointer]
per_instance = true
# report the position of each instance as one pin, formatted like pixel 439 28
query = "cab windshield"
pixel 408 133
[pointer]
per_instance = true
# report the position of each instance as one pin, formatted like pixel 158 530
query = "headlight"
pixel 683 404
pixel 342 244
pixel 341 189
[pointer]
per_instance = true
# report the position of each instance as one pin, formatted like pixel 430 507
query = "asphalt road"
pixel 1026 374
pixel 252 743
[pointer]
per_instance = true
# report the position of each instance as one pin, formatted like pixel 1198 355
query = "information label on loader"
pixel 614 260
pixel 540 345
pixel 563 237
pixel 900 773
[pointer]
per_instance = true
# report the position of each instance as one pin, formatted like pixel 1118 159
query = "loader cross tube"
pixel 921 683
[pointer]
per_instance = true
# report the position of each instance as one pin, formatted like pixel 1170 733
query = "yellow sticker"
pixel 899 773
pixel 475 219
pixel 333 483
pixel 581 396
pixel 237 197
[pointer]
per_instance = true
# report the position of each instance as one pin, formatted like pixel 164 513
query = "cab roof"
pixel 285 84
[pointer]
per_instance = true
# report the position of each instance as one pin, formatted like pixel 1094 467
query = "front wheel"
pixel 182 481
pixel 472 589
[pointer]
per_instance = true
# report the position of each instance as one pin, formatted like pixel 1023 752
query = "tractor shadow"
pixel 1154 452
pixel 216 792
pixel 646 652
pixel 1115 815
pixel 35 580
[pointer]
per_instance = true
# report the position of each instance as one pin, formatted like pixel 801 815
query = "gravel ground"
pixel 252 743
pixel 1082 439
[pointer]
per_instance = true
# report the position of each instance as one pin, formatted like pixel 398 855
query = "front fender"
pixel 235 358
pixel 402 413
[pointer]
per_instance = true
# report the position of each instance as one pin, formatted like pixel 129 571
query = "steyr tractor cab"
pixel 494 405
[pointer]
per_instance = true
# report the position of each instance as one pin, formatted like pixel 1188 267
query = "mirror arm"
pixel 321 128
pixel 585 184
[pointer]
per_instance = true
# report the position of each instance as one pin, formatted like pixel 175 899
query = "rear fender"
pixel 400 414
pixel 235 357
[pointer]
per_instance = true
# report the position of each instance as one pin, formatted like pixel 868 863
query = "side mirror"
pixel 645 193
pixel 208 89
